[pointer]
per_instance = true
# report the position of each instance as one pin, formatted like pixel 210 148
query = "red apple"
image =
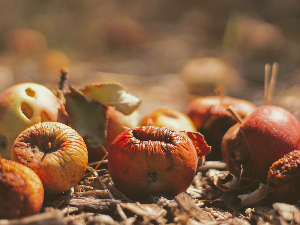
pixel 21 190
pixel 169 118
pixel 149 160
pixel 55 151
pixel 265 136
pixel 23 105
pixel 212 119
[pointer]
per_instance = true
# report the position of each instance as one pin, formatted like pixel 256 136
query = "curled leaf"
pixel 87 117
pixel 200 144
pixel 256 196
pixel 113 94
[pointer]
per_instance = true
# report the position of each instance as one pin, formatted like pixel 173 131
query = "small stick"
pixel 63 78
pixel 234 113
pixel 272 82
pixel 267 75
pixel 119 208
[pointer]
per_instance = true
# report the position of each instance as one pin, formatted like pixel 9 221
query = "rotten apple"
pixel 283 178
pixel 212 119
pixel 21 190
pixel 55 151
pixel 23 105
pixel 250 147
pixel 169 118
pixel 150 160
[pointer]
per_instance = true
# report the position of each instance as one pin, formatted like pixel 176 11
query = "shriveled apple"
pixel 23 105
pixel 55 151
pixel 150 160
pixel 21 190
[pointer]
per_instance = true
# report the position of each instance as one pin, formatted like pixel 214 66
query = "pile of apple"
pixel 47 140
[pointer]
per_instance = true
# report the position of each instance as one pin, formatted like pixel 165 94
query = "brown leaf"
pixel 113 94
pixel 200 144
pixel 87 117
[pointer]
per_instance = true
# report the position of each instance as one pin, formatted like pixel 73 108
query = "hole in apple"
pixel 30 92
pixel 27 110
pixel 3 143
pixel 45 117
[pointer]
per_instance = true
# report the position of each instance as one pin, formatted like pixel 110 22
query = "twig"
pixel 119 209
pixel 63 79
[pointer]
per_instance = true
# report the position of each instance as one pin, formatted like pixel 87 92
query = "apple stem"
pixel 269 87
pixel 267 74
pixel 219 90
pixel 234 113
pixel 63 79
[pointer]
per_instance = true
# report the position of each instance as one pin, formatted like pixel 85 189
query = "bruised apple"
pixel 21 190
pixel 23 105
pixel 55 151
pixel 249 148
pixel 212 119
pixel 150 160
pixel 170 118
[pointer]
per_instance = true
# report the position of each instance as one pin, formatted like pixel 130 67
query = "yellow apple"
pixel 169 118
pixel 23 105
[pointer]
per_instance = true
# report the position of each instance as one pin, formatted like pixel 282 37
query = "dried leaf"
pixel 87 117
pixel 256 196
pixel 113 94
pixel 200 144
pixel 226 182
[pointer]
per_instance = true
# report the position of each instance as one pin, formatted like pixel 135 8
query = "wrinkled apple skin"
pixel 169 118
pixel 55 151
pixel 21 190
pixel 212 119
pixel 150 160
pixel 23 105
pixel 262 138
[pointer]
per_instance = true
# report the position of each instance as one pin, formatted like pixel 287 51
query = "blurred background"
pixel 166 52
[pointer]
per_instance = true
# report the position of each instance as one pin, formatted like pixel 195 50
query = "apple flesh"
pixel 150 160
pixel 212 119
pixel 21 190
pixel 262 138
pixel 169 118
pixel 55 151
pixel 23 105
